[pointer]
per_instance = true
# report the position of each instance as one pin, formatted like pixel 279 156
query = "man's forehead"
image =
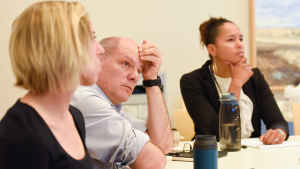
pixel 127 43
pixel 128 49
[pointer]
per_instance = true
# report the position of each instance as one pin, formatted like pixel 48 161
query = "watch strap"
pixel 150 83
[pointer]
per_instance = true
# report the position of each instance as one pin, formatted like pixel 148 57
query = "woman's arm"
pixel 276 124
pixel 240 74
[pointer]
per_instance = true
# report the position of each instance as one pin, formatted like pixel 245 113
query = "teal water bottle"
pixel 205 152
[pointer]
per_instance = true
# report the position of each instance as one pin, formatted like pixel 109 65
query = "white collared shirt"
pixel 112 134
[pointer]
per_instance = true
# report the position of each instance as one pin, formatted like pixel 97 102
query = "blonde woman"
pixel 52 50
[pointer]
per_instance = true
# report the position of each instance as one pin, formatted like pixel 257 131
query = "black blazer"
pixel 201 99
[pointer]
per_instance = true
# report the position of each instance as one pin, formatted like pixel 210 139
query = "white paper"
pixel 256 143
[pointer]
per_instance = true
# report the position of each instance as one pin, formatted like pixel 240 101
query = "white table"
pixel 253 158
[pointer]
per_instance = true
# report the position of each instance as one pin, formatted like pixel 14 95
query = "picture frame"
pixel 275 40
pixel 274 47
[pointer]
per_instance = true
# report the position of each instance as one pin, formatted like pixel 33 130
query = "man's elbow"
pixel 151 157
pixel 161 164
pixel 158 163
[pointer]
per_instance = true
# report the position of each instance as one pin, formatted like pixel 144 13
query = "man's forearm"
pixel 158 124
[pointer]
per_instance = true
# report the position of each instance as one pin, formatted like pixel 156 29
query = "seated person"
pixel 228 71
pixel 117 139
pixel 41 130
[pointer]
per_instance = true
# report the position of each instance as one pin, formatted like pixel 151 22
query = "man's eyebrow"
pixel 139 65
pixel 128 58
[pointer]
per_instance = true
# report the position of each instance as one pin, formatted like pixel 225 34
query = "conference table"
pixel 285 157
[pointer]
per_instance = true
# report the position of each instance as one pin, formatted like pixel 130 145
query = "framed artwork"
pixel 277 40
pixel 275 46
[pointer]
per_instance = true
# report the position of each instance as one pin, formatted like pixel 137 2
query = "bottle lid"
pixel 227 96
pixel 205 142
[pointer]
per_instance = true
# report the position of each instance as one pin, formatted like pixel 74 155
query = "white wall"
pixel 8 93
pixel 171 24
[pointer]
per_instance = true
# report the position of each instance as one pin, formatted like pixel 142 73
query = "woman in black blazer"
pixel 228 71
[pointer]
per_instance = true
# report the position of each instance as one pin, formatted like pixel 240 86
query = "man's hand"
pixel 273 136
pixel 158 122
pixel 151 60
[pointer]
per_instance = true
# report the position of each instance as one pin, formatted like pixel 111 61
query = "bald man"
pixel 118 139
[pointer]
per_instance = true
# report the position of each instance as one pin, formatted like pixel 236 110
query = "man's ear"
pixel 211 48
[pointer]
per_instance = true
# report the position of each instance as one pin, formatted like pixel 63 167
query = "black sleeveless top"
pixel 26 141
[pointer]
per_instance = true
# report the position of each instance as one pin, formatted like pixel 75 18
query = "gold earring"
pixel 214 67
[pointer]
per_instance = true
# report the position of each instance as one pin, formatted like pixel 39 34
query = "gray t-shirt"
pixel 115 137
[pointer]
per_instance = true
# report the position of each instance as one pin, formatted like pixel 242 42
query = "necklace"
pixel 212 70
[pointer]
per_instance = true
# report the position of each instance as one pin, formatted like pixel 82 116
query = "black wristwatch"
pixel 150 83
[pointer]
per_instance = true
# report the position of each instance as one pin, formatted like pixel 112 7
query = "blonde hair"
pixel 49 46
